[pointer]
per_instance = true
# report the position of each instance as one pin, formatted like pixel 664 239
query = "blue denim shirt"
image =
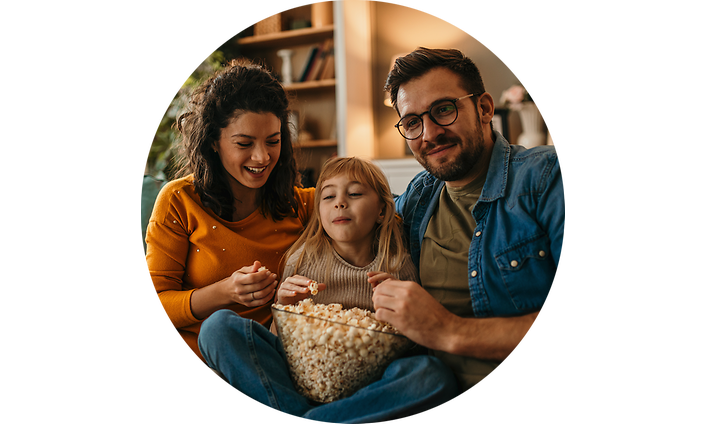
pixel 520 220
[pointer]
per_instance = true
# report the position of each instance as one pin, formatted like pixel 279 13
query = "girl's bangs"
pixel 354 169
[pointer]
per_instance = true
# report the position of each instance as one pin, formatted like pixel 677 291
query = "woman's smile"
pixel 256 170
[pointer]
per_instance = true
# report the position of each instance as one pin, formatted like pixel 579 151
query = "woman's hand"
pixel 294 289
pixel 247 286
pixel 251 287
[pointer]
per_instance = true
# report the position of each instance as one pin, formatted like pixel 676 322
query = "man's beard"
pixel 458 167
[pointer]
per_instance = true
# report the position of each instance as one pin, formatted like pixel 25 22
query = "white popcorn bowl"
pixel 329 360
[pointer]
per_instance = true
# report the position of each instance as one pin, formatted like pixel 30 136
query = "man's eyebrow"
pixel 443 99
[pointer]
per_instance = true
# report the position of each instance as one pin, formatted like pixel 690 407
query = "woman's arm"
pixel 167 250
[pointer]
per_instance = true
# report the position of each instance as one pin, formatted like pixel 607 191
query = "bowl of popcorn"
pixel 331 351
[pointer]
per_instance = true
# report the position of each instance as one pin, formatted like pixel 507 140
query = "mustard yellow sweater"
pixel 190 247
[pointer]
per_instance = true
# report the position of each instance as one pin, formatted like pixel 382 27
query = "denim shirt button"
pixel 541 253
pixel 474 273
pixel 514 263
pixel 478 233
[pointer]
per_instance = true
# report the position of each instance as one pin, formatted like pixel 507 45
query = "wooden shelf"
pixel 311 85
pixel 314 143
pixel 288 38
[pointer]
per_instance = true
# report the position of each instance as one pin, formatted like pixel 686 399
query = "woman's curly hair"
pixel 239 87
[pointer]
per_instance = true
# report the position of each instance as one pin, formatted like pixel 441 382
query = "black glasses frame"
pixel 429 112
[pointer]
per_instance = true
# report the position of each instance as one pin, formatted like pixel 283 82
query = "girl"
pixel 353 232
pixel 237 207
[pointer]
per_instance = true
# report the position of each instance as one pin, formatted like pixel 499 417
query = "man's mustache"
pixel 442 140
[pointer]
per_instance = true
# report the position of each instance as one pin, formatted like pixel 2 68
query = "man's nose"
pixel 430 129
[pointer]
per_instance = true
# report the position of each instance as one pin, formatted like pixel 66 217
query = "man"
pixel 485 221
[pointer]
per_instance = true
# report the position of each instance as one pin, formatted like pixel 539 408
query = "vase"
pixel 286 55
pixel 533 133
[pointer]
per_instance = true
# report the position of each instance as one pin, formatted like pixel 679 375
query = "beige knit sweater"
pixel 346 284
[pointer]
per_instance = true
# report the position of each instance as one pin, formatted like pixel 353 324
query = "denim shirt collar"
pixel 497 175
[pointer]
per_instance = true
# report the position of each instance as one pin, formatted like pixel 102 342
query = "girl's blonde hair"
pixel 387 242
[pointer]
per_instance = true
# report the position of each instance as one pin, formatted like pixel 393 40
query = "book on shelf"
pixel 319 63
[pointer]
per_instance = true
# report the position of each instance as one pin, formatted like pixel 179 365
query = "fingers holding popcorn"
pixel 253 285
pixel 296 288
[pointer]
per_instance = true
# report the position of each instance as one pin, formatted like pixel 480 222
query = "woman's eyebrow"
pixel 275 134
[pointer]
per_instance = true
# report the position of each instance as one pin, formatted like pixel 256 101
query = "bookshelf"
pixel 287 38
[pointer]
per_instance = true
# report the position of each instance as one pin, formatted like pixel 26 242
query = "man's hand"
pixel 413 311
pixel 420 317
pixel 377 277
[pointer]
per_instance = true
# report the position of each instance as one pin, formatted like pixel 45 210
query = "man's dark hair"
pixel 422 60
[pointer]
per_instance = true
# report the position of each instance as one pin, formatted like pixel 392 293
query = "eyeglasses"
pixel 442 113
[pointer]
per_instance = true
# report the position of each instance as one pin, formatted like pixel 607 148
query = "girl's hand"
pixel 251 287
pixel 294 289
pixel 377 277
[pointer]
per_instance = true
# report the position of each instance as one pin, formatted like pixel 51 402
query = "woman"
pixel 217 234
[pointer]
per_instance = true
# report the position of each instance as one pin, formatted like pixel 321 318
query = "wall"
pixel 354 98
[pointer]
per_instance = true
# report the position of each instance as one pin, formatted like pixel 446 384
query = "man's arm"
pixel 420 317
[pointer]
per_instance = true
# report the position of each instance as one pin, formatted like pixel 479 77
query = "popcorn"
pixel 332 351
pixel 262 268
pixel 313 287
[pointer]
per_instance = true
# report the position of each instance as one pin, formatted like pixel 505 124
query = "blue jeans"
pixel 253 361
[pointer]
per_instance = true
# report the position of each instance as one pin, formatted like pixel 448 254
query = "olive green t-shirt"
pixel 444 255
pixel 444 268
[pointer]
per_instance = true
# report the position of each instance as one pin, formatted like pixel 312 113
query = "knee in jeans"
pixel 446 380
pixel 217 324
pixel 215 320
pixel 429 367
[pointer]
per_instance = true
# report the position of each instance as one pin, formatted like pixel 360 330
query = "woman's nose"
pixel 260 154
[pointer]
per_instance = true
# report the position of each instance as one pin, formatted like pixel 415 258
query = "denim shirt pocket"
pixel 527 271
